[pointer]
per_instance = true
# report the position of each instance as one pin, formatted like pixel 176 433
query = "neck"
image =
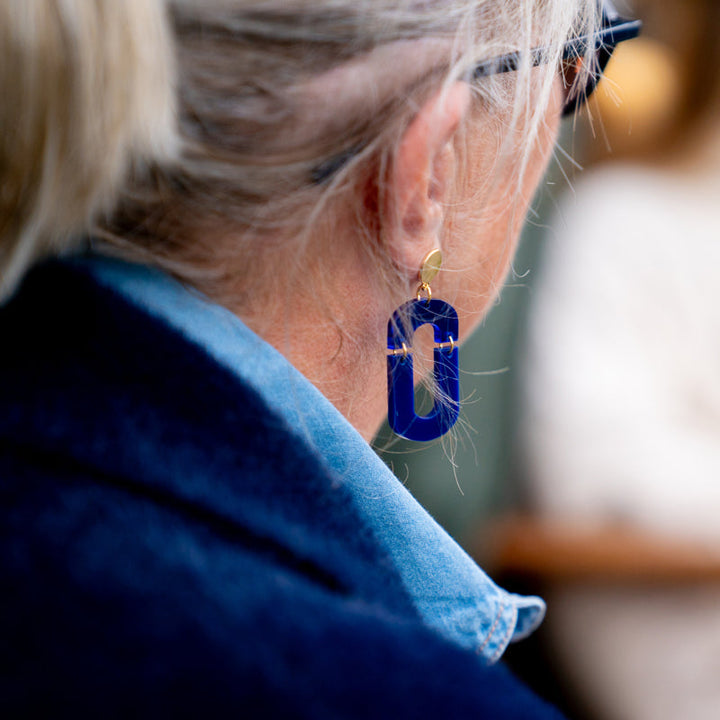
pixel 336 339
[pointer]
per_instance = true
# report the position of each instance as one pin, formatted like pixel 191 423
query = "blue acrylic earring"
pixel 401 386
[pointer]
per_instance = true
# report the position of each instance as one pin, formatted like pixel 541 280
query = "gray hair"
pixel 265 93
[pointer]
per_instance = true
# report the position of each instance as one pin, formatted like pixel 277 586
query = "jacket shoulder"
pixel 168 547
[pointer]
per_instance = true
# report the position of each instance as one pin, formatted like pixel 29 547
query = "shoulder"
pixel 179 620
pixel 119 605
pixel 168 546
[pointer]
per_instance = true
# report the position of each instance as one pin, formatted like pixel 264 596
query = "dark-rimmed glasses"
pixel 600 46
pixel 597 48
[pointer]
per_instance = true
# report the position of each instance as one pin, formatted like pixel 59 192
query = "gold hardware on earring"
pixel 429 268
pixel 449 345
pixel 404 351
pixel 424 288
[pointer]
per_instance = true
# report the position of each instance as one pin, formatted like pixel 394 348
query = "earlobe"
pixel 421 176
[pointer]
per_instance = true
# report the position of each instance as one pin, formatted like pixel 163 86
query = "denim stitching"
pixel 493 628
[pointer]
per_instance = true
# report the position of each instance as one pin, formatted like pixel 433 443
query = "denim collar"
pixel 450 592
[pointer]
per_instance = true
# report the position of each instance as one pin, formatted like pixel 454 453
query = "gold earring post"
pixel 429 268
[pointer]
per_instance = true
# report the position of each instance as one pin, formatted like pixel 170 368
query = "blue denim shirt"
pixel 450 592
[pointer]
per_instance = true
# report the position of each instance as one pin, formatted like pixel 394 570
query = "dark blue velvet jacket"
pixel 169 548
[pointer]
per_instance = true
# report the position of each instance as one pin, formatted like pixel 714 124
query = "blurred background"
pixel 588 469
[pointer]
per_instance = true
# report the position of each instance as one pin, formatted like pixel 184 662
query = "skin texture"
pixel 471 210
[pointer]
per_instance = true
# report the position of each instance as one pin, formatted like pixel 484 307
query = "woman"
pixel 188 524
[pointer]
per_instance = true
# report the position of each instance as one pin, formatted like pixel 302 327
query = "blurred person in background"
pixel 621 422
pixel 209 210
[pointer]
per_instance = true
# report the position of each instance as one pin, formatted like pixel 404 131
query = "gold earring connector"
pixel 404 350
pixel 429 268
pixel 424 288
pixel 449 345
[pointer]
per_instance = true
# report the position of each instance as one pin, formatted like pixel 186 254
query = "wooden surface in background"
pixel 570 551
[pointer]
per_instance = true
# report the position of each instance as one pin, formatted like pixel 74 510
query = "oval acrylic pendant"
pixel 401 386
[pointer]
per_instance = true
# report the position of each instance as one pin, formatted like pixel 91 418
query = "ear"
pixel 420 177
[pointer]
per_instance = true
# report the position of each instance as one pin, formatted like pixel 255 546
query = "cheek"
pixel 483 231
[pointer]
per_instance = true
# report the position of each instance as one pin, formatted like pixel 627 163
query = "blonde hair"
pixel 267 92
pixel 87 90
